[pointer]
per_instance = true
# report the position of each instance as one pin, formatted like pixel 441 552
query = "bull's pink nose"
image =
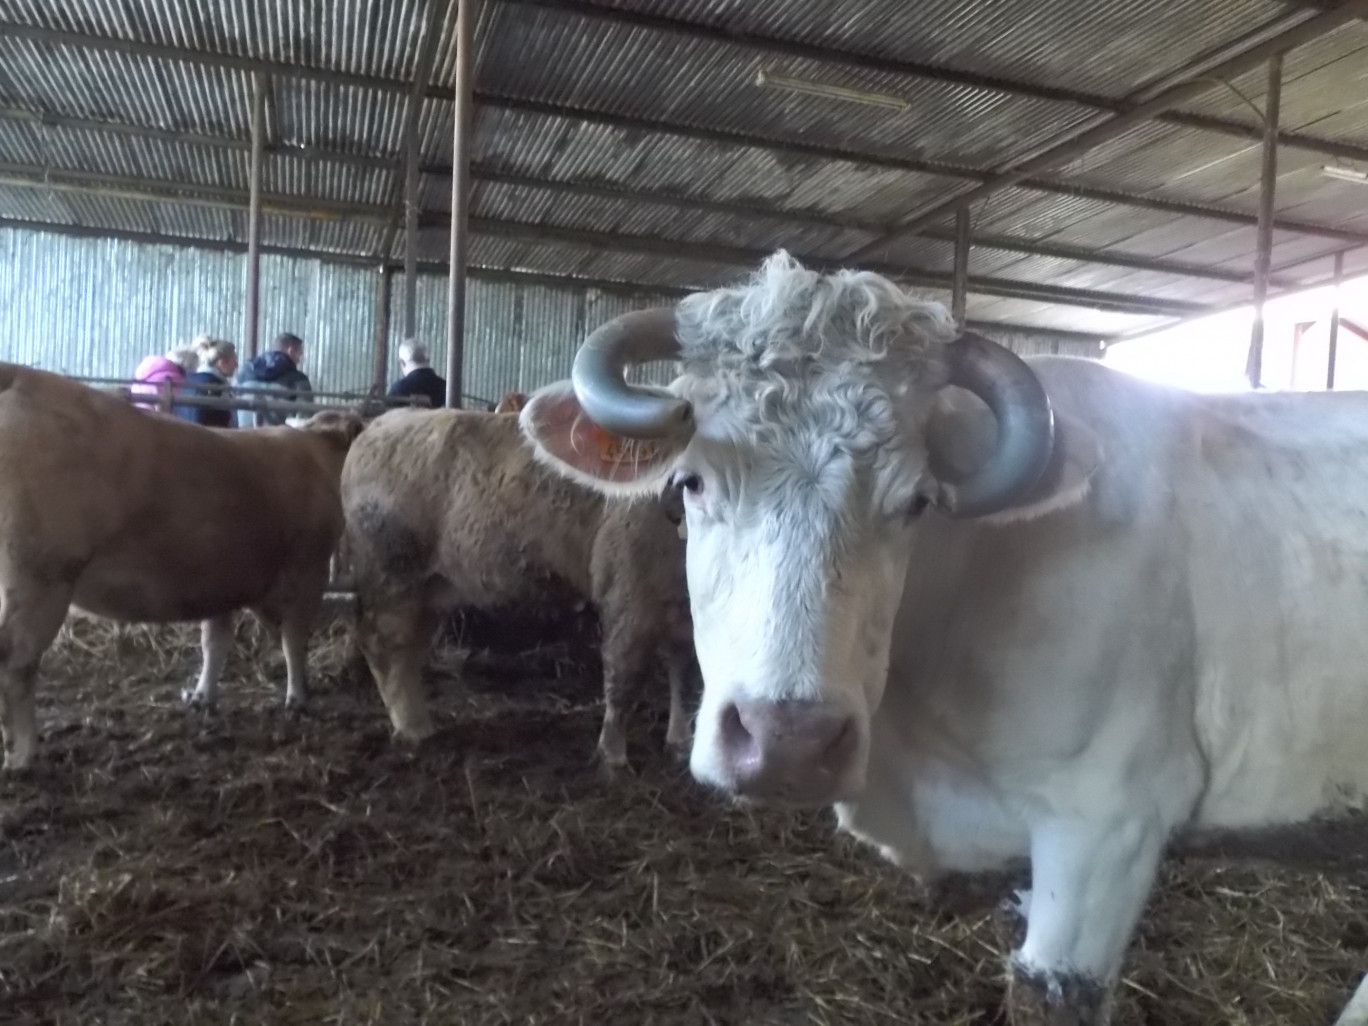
pixel 790 749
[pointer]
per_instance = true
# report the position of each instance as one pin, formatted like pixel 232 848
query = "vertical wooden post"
pixel 959 294
pixel 1264 248
pixel 466 16
pixel 252 314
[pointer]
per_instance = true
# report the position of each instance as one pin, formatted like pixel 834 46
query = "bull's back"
pixel 453 501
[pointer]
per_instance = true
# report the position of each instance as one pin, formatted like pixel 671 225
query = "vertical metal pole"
pixel 380 369
pixel 1264 252
pixel 249 327
pixel 466 16
pixel 411 181
pixel 959 293
pixel 1334 325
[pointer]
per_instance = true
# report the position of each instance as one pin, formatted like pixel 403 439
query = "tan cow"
pixel 151 519
pixel 513 402
pixel 449 510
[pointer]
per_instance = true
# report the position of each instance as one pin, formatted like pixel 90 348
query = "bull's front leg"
pixel 1090 883
pixel 216 641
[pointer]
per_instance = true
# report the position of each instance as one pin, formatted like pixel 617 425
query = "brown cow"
pixel 513 402
pixel 152 519
pixel 449 510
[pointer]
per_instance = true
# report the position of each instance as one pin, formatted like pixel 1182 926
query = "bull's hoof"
pixel 295 707
pixel 194 699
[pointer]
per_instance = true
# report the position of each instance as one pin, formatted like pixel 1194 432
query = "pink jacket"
pixel 151 374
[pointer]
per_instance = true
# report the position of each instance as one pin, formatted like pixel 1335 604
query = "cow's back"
pixel 150 517
pixel 452 501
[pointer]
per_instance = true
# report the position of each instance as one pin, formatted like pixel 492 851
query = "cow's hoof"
pixel 295 707
pixel 193 699
pixel 413 735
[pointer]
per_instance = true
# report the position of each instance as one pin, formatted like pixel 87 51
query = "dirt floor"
pixel 161 866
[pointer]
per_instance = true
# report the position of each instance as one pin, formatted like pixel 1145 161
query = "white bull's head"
pixel 798 432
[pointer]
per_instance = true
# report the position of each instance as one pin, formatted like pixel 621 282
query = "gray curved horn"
pixel 603 393
pixel 1025 422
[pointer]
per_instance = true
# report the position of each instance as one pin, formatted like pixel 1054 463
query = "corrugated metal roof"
pixel 641 109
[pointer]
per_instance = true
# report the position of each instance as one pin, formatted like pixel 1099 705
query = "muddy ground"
pixel 167 867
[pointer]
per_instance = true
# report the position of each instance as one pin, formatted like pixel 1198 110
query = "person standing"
pixel 217 363
pixel 418 376
pixel 278 369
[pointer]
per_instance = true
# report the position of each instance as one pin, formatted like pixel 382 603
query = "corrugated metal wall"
pixel 98 306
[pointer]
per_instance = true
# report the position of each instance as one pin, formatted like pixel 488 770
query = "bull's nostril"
pixel 841 746
pixel 734 732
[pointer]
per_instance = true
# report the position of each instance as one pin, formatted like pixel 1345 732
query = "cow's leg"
pixel 295 628
pixel 395 638
pixel 30 617
pixel 1089 884
pixel 678 666
pixel 626 660
pixel 1356 1011
pixel 216 641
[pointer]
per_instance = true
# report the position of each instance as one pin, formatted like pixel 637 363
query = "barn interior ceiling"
pixel 1108 153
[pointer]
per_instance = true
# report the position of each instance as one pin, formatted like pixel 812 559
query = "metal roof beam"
pixel 32 176
pixel 1037 183
pixel 785 147
pixel 739 257
pixel 1078 142
pixel 28 176
pixel 1004 242
pixel 1007 243
pixel 179 138
pixel 590 10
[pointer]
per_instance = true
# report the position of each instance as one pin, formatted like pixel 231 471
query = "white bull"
pixel 1105 618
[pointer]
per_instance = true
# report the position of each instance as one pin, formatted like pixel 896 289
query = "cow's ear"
pixel 571 444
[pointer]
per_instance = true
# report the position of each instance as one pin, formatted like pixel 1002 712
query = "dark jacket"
pixel 209 384
pixel 273 370
pixel 421 381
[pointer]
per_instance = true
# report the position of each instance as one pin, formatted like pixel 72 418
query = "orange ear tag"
pixel 616 449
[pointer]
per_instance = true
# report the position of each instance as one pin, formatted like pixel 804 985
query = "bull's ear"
pixel 571 444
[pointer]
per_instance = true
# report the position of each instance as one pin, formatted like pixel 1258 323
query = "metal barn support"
pixel 1268 184
pixel 1333 349
pixel 252 319
pixel 467 14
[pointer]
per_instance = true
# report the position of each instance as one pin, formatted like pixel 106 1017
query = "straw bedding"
pixel 164 866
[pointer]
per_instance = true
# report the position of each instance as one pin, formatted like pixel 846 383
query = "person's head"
pixel 217 355
pixel 184 357
pixel 292 346
pixel 412 355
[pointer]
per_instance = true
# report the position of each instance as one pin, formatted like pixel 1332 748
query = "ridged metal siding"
pixel 98 306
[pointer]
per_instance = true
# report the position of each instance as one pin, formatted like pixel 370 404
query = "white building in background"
pixel 1208 355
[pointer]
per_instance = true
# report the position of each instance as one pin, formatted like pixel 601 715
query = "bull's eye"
pixel 686 481
pixel 919 506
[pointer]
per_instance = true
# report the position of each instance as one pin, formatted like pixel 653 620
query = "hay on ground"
pixel 167 866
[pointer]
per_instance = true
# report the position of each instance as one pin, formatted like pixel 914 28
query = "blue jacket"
pixel 277 371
